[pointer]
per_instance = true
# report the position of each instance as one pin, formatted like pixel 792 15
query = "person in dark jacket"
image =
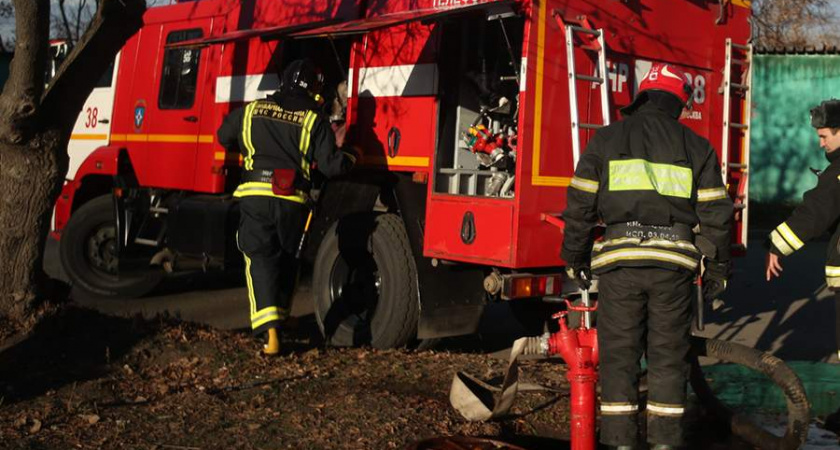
pixel 819 211
pixel 653 182
pixel 282 138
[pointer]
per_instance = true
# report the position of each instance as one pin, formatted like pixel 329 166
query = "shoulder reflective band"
pixel 246 136
pixel 585 185
pixel 832 276
pixel 710 195
pixel 647 254
pixel 664 409
pixel 618 408
pixel 305 136
pixel 641 175
pixel 785 239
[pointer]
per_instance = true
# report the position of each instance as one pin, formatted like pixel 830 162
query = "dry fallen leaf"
pixel 90 418
pixel 36 426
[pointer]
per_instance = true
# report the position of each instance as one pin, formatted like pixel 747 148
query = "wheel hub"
pixel 102 250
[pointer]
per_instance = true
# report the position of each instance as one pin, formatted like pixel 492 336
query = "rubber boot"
pixel 272 347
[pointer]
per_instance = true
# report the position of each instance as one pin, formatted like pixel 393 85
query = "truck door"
pixel 93 125
pixel 173 116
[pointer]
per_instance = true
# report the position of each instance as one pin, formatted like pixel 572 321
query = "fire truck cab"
pixel 470 114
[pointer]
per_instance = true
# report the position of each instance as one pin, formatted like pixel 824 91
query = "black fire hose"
pixel 799 416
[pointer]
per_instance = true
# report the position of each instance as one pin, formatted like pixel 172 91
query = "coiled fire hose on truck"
pixel 478 401
pixel 798 408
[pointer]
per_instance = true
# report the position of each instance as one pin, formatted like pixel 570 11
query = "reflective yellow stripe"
pixel 833 282
pixel 832 271
pixel 636 254
pixel 709 195
pixel 681 245
pixel 612 409
pixel 263 313
pixel 246 136
pixel 584 185
pixel 250 282
pixel 264 316
pixel 665 409
pixel 641 175
pixel 780 243
pixel 260 189
pixel 790 236
pixel 305 136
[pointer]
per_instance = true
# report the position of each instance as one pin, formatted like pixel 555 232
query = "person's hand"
pixel 715 277
pixel 582 276
pixel 772 266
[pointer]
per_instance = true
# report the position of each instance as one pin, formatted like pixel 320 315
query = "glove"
pixel 715 276
pixel 581 275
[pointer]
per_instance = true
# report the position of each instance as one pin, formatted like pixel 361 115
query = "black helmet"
pixel 302 74
pixel 826 114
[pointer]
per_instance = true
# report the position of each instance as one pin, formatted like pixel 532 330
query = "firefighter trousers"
pixel 269 232
pixel 837 321
pixel 644 310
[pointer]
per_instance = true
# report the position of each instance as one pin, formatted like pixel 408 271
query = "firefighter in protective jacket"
pixel 651 181
pixel 819 211
pixel 282 138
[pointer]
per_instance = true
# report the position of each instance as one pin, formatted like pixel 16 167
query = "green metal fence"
pixel 783 144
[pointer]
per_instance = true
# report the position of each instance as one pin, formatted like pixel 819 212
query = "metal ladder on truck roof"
pixel 594 42
pixel 745 88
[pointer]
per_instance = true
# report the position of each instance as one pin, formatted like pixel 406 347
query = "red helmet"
pixel 665 78
pixel 668 78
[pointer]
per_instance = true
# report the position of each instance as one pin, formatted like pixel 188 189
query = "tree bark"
pixel 35 128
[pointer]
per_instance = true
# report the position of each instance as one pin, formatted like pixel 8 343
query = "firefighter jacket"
pixel 818 213
pixel 651 181
pixel 282 132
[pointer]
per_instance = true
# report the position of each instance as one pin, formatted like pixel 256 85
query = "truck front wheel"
pixel 365 283
pixel 88 251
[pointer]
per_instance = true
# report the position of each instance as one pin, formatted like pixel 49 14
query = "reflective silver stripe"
pixel 682 245
pixel 633 254
pixel 619 408
pixel 585 185
pixel 790 236
pixel 664 409
pixel 780 243
pixel 708 195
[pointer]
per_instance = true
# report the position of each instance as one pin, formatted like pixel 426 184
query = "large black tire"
pixel 89 254
pixel 365 283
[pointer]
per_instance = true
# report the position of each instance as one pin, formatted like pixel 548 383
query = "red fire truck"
pixel 471 115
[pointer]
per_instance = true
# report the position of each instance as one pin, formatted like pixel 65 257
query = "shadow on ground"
pixel 72 346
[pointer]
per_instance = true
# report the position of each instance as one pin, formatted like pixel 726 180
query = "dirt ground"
pixel 84 380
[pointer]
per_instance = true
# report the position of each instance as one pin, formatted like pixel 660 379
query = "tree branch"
pixel 22 91
pixel 65 21
pixel 114 23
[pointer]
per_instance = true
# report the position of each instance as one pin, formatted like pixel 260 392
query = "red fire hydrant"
pixel 579 348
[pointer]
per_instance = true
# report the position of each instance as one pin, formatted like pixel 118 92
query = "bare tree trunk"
pixel 34 130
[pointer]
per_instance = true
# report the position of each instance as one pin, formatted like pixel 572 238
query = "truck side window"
pixel 180 72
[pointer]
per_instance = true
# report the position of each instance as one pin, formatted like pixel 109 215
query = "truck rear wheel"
pixel 365 283
pixel 88 254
